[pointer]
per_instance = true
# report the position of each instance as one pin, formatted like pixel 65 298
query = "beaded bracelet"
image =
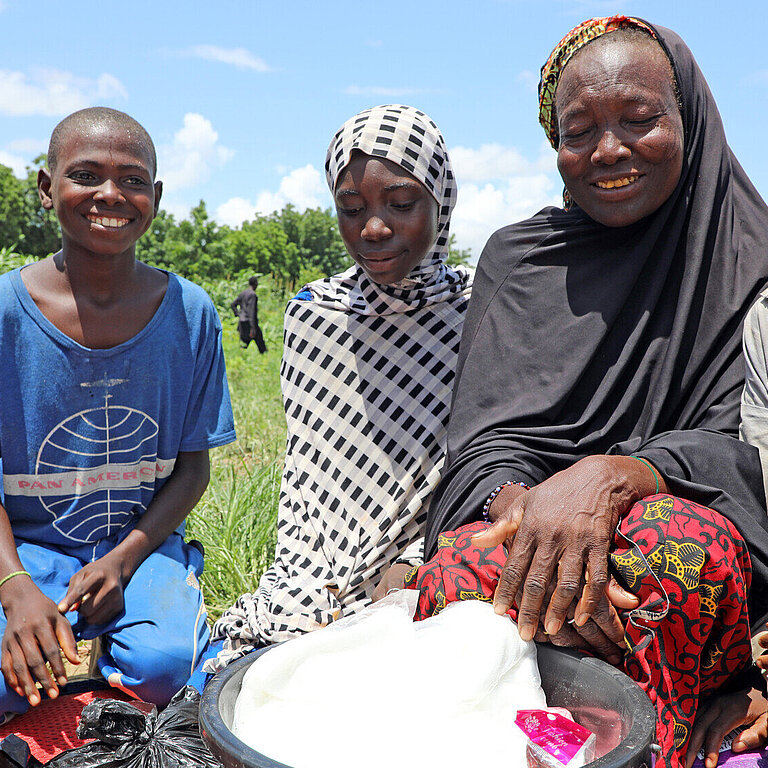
pixel 495 492
pixel 11 575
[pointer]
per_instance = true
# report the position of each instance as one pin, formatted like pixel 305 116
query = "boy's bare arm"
pixel 35 630
pixel 96 591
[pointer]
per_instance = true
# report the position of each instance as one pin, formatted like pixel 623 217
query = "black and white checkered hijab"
pixel 366 376
pixel 406 136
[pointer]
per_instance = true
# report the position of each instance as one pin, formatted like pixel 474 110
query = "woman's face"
pixel 621 134
pixel 387 219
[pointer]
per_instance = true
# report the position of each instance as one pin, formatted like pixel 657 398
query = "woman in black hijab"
pixel 600 361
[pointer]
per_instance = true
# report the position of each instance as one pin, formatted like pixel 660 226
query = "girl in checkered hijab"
pixel 368 364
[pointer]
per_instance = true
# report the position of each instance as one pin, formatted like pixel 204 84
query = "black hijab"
pixel 582 339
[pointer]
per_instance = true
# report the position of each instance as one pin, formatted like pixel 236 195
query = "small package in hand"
pixel 555 740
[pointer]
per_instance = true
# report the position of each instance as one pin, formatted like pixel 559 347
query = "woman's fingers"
pixel 607 618
pixel 501 532
pixel 596 581
pixel 535 580
pixel 620 598
pixel 570 577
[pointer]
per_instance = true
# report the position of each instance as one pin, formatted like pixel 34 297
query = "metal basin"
pixel 599 696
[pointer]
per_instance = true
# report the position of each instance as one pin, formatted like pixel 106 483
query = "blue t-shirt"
pixel 89 436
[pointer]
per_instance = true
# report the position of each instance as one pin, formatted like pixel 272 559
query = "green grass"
pixel 236 518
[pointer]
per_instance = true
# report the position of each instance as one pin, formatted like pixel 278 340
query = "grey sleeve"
pixel 754 398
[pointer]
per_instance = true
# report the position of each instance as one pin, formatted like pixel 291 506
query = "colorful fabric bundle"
pixel 689 636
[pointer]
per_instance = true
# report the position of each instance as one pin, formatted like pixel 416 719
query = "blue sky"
pixel 243 97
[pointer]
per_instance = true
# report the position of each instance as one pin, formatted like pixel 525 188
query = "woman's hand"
pixel 35 634
pixel 393 578
pixel 603 634
pixel 96 590
pixel 719 715
pixel 559 533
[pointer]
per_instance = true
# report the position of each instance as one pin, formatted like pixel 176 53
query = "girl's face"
pixel 387 219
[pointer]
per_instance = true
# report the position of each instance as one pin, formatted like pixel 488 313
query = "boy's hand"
pixel 34 635
pixel 96 591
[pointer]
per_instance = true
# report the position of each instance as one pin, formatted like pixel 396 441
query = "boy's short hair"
pixel 253 281
pixel 85 119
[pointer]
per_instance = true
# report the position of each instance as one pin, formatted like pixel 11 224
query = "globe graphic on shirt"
pixel 93 443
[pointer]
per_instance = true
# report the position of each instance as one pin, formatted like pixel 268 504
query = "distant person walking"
pixel 246 309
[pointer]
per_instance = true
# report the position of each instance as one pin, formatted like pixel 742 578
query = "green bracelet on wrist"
pixel 647 464
pixel 11 575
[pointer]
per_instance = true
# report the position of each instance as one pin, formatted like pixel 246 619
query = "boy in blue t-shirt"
pixel 114 389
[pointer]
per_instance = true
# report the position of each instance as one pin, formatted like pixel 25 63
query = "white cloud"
pixel 109 87
pixel 235 211
pixel 490 161
pixel 179 211
pixel 194 153
pixel 498 186
pixel 16 163
pixel 529 80
pixel 27 146
pixel 378 90
pixel 53 92
pixel 481 210
pixel 302 187
pixel 18 154
pixel 237 57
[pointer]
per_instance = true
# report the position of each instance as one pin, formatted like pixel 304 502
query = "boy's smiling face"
pixel 102 189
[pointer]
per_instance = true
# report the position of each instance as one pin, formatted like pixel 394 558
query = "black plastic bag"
pixel 127 738
pixel 14 753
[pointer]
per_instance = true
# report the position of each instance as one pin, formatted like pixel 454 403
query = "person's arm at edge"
pixel 35 629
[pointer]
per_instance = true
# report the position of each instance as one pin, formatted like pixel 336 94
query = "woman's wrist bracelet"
pixel 11 575
pixel 647 464
pixel 495 492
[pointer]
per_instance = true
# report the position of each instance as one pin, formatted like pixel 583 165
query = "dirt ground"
pixel 81 669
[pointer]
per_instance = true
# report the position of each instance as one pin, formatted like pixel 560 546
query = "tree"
pixel 156 245
pixel 458 256
pixel 316 237
pixel 12 208
pixel 40 230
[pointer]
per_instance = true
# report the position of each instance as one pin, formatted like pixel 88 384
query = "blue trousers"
pixel 151 647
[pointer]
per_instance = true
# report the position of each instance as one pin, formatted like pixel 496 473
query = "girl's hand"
pixel 719 715
pixel 393 578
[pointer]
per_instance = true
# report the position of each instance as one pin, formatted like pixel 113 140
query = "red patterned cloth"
pixel 689 636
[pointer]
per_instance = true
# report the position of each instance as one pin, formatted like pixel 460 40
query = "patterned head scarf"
pixel 576 39
pixel 406 136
